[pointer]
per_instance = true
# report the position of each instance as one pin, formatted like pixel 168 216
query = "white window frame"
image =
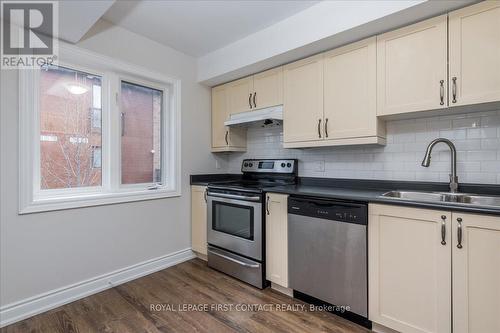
pixel 33 199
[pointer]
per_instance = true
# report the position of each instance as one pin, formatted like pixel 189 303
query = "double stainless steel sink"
pixel 447 197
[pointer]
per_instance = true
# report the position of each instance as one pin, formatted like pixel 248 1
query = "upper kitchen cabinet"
pixel 474 54
pixel 258 91
pixel 412 68
pixel 303 100
pixel 476 273
pixel 268 88
pixel 330 99
pixel 224 138
pixel 240 95
pixel 350 92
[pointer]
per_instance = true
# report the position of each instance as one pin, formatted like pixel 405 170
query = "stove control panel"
pixel 270 166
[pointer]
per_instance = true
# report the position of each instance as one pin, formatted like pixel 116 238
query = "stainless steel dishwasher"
pixel 327 251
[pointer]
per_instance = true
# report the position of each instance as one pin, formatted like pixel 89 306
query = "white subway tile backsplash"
pixel 476 136
pixel 481 133
pixel 490 121
pixel 490 166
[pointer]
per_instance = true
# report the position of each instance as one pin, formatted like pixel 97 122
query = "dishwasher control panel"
pixel 329 209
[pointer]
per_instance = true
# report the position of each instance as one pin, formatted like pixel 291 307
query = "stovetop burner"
pixel 259 174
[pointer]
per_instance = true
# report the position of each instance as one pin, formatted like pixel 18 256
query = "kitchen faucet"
pixel 427 161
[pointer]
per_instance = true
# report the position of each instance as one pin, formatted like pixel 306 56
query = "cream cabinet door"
pixel 199 219
pixel 409 268
pixel 412 68
pixel 350 91
pixel 219 116
pixel 268 88
pixel 277 239
pixel 240 93
pixel 224 138
pixel 476 273
pixel 303 100
pixel 474 46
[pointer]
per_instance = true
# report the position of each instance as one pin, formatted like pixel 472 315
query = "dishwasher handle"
pixel 329 209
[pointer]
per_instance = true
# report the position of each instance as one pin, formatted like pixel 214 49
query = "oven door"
pixel 235 223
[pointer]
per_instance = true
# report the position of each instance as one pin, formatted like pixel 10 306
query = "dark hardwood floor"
pixel 127 308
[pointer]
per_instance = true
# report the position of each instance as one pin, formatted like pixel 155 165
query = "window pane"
pixel 141 109
pixel 66 137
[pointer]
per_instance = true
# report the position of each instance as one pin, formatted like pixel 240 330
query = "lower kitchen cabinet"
pixel 411 251
pixel 277 239
pixel 199 219
pixel 409 268
pixel 476 273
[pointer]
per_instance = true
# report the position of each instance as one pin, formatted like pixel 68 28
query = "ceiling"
pixel 199 27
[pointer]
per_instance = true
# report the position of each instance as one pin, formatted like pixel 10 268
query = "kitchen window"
pixel 96 131
pixel 141 115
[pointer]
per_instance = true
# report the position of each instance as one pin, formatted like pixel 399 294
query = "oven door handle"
pixel 234 196
pixel 234 260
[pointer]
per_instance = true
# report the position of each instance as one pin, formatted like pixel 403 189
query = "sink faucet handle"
pixel 453 183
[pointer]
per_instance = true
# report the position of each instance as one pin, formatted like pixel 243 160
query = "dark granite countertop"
pixel 369 191
pixel 374 196
pixel 204 179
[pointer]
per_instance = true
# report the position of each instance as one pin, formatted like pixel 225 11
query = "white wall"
pixel 476 136
pixel 323 26
pixel 45 251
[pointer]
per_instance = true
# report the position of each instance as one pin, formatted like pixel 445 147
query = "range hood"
pixel 263 117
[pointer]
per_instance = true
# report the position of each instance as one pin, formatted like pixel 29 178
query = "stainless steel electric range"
pixel 236 224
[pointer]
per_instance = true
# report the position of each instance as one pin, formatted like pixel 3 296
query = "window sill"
pixel 95 199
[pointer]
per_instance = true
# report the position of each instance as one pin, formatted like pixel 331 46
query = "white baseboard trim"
pixel 29 307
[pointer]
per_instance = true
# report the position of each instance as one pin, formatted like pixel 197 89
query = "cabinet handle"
pixel 250 100
pixel 326 127
pixel 459 233
pixel 441 92
pixel 319 128
pixel 267 205
pixel 454 89
pixel 254 95
pixel 225 138
pixel 443 229
pixel 205 195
